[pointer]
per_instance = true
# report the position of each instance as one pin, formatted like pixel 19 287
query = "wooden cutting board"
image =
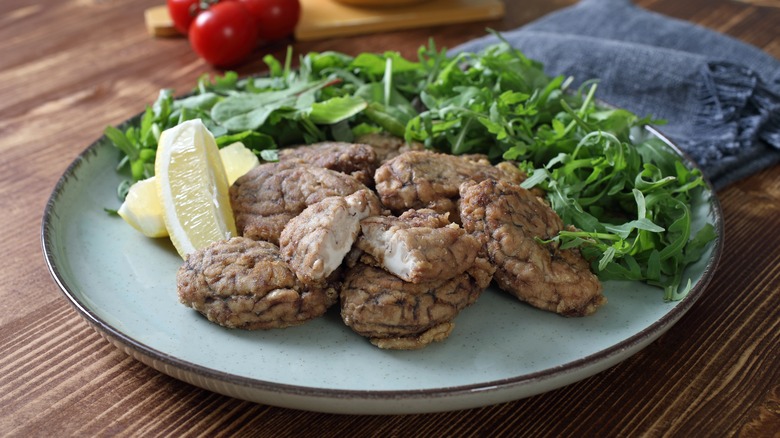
pixel 327 18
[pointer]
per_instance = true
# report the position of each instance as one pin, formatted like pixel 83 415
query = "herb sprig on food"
pixel 627 197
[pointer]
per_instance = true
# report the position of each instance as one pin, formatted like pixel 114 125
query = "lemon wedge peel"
pixel 193 187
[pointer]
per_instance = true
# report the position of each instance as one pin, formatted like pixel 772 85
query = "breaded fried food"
pixel 357 160
pixel 395 314
pixel 243 283
pixel 315 242
pixel 509 219
pixel 268 196
pixel 418 246
pixel 388 146
pixel 425 179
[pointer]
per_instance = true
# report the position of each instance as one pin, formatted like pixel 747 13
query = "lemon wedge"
pixel 238 160
pixel 142 209
pixel 192 187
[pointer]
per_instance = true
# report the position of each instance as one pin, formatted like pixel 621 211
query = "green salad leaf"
pixel 627 197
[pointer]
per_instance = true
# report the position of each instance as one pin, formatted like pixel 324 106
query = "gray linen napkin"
pixel 720 97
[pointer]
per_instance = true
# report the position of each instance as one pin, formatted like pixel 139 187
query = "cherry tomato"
pixel 182 13
pixel 275 19
pixel 224 34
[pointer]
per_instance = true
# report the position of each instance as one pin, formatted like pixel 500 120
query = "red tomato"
pixel 275 19
pixel 224 34
pixel 182 13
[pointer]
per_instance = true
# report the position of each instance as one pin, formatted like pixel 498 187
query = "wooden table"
pixel 69 68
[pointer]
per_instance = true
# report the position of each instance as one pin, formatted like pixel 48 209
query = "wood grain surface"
pixel 68 68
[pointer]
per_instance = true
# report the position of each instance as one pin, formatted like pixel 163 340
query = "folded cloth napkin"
pixel 719 96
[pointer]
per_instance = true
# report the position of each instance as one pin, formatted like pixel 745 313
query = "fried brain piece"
pixel 420 245
pixel 507 219
pixel 388 146
pixel 315 242
pixel 396 314
pixel 268 196
pixel 425 179
pixel 242 283
pixel 358 160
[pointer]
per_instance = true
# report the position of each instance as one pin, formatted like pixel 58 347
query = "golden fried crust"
pixel 242 283
pixel 395 313
pixel 436 333
pixel 316 241
pixel 268 196
pixel 357 160
pixel 509 219
pixel 425 179
pixel 388 146
pixel 418 246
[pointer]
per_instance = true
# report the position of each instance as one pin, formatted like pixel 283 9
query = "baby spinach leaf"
pixel 336 109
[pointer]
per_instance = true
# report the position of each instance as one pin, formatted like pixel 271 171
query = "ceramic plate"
pixel 124 285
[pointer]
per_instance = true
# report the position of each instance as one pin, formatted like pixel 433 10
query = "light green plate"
pixel 124 285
